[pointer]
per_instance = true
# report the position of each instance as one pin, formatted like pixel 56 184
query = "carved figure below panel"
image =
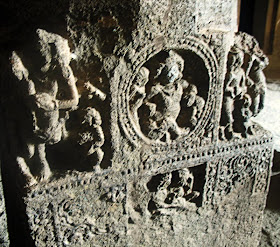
pixel 244 87
pixel 172 190
pixel 49 92
pixel 160 97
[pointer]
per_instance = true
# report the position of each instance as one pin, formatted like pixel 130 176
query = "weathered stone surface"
pixel 271 222
pixel 270 229
pixel 4 236
pixel 133 128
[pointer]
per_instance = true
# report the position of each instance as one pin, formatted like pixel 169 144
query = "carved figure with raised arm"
pixel 49 91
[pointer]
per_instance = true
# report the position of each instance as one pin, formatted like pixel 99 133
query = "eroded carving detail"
pixel 89 130
pixel 249 170
pixel 244 87
pixel 67 220
pixel 49 90
pixel 116 194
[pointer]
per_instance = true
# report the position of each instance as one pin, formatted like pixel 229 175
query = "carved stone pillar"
pixel 133 127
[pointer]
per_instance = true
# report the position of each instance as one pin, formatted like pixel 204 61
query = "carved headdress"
pixel 172 59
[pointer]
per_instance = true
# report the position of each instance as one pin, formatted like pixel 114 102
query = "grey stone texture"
pixel 270 229
pixel 4 236
pixel 271 225
pixel 129 124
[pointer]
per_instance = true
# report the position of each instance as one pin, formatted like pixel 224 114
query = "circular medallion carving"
pixel 170 95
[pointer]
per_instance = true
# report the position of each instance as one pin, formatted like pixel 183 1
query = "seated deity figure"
pixel 49 91
pixel 164 99
pixel 181 192
pixel 175 190
pixel 235 88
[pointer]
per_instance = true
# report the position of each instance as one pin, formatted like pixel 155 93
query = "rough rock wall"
pixel 4 237
pixel 128 123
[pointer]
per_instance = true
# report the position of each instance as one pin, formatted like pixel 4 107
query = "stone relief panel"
pixel 60 218
pixel 244 87
pixel 248 171
pixel 166 193
pixel 167 100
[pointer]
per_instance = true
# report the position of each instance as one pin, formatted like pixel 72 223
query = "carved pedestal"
pixel 133 128
pixel 204 197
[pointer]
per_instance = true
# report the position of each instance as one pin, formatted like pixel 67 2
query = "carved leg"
pixel 31 150
pixel 64 132
pixel 229 132
pixel 255 104
pixel 45 172
pixel 228 111
pixel 95 157
pixel 100 155
pixel 30 180
pixel 222 133
pixel 261 102
pixel 193 119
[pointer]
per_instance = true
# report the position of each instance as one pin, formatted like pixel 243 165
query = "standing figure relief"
pixel 257 84
pixel 48 88
pixel 91 135
pixel 156 103
pixel 244 88
pixel 234 88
